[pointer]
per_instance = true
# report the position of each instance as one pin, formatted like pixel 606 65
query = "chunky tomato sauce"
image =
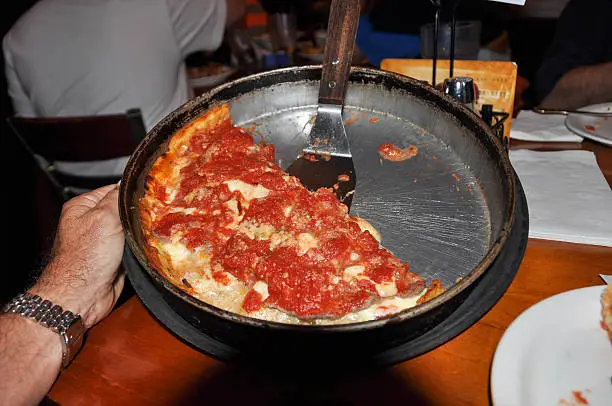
pixel 305 261
pixel 394 153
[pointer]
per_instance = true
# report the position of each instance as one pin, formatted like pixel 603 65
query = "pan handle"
pixel 341 32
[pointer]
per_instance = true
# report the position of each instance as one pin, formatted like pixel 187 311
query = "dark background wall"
pixel 23 247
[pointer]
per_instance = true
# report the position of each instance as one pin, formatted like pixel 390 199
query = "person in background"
pixel 577 68
pixel 94 57
pixel 379 38
pixel 531 28
pixel 82 277
pixel 391 28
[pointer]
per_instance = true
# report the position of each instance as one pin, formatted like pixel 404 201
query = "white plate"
pixel 595 128
pixel 211 80
pixel 555 348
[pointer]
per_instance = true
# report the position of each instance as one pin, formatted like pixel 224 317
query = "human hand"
pixel 82 275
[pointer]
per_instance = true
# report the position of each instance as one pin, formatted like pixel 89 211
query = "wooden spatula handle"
pixel 341 32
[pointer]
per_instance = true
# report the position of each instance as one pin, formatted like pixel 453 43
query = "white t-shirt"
pixel 92 57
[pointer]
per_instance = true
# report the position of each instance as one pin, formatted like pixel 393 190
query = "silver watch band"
pixel 68 325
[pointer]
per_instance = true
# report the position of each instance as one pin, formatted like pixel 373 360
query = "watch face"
pixel 72 338
pixel 75 329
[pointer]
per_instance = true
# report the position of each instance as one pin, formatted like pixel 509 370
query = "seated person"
pixel 577 70
pixel 531 29
pixel 94 57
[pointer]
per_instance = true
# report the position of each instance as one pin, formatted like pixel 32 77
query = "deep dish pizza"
pixel 224 223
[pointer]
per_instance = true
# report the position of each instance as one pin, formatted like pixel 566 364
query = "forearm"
pixel 32 353
pixel 582 86
pixel 30 361
pixel 82 278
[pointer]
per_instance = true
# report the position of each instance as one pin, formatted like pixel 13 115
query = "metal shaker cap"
pixel 461 88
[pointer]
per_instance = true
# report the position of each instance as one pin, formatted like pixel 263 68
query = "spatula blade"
pixel 326 160
pixel 328 171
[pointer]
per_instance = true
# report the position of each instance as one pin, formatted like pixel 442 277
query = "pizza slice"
pixel 223 222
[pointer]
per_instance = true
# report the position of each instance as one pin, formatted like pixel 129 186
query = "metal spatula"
pixel 326 159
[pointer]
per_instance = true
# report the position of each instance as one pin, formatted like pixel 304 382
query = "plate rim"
pixel 212 78
pixel 587 134
pixel 496 366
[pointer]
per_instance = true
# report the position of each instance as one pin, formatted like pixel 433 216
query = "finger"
pixel 101 193
pixel 96 196
pixel 87 201
pixel 110 202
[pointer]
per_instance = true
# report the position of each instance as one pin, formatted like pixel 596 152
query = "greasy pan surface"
pixel 447 211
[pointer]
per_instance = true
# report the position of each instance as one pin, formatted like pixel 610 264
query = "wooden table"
pixel 130 359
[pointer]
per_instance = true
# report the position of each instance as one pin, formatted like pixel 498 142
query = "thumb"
pixel 110 201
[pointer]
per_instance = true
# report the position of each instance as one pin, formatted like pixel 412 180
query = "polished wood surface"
pixel 130 359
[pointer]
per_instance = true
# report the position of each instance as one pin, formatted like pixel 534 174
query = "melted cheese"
pixel 262 288
pixel 173 181
pixel 283 239
pixel 248 191
pixel 306 241
pixel 228 297
pixel 356 272
pixel 177 252
pixel 364 225
pixel 382 308
pixel 256 231
pixel 232 205
pixel 386 289
pixel 183 210
pixel 197 194
pixel 352 272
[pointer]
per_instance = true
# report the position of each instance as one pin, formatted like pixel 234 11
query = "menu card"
pixel 496 80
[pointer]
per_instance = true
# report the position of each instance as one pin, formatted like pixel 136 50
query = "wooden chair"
pixel 72 139
pixel 79 139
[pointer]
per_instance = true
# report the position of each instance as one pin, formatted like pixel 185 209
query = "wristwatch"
pixel 68 325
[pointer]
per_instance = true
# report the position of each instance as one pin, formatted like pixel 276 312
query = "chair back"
pixel 79 139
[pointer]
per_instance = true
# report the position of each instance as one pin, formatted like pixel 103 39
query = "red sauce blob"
pixel 394 153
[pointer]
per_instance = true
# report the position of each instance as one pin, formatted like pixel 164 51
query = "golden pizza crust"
pixel 434 289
